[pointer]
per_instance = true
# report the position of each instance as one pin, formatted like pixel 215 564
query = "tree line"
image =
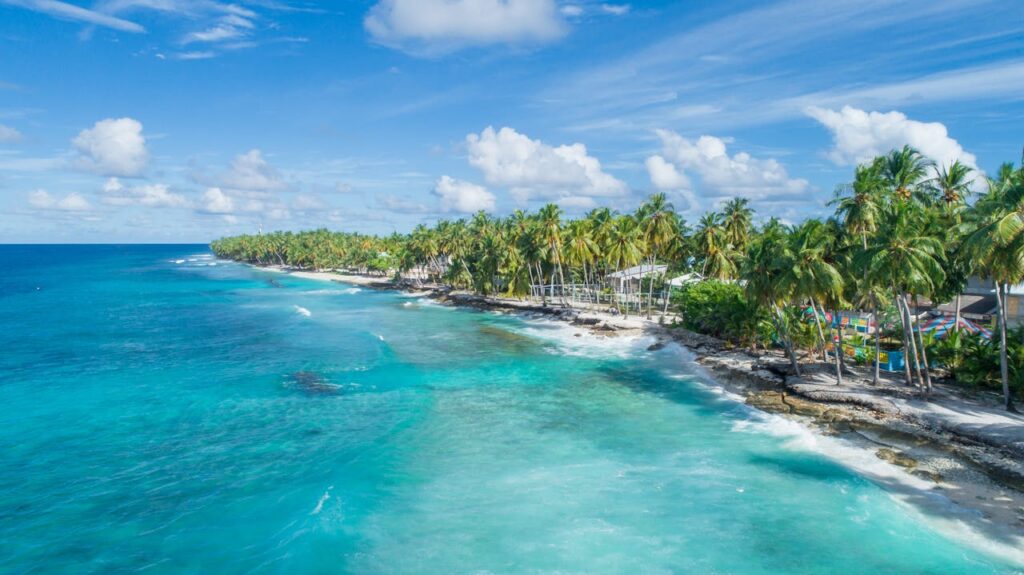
pixel 903 231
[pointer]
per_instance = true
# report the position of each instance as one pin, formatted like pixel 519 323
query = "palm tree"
pixel 714 246
pixel 550 230
pixel 658 220
pixel 810 275
pixel 908 261
pixel 952 185
pixel 997 243
pixel 625 246
pixel 768 261
pixel 904 169
pixel 736 218
pixel 581 249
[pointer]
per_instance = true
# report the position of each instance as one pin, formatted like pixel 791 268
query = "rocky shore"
pixel 963 448
pixel 966 449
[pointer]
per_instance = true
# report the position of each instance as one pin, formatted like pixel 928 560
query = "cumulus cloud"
pixel 858 136
pixel 722 174
pixel 73 202
pixel 464 197
pixel 9 134
pixel 112 148
pixel 443 25
pixel 532 169
pixel 215 201
pixel 251 172
pixel 665 176
pixel 151 195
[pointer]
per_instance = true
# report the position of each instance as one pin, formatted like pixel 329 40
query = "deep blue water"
pixel 168 413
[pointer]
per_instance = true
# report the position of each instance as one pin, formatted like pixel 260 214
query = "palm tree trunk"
pixel 956 315
pixel 530 271
pixel 878 343
pixel 1004 371
pixel 650 289
pixel 909 328
pixel 561 278
pixel 908 378
pixel 540 281
pixel 786 342
pixel 817 324
pixel 839 340
pixel 924 355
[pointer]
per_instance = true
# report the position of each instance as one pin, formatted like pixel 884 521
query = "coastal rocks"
pixel 739 369
pixel 702 344
pixel 656 346
pixel 771 401
pixel 896 458
pixel 779 366
pixel 311 383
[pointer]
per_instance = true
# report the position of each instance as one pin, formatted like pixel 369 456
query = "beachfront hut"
pixel 940 326
pixel 634 275
pixel 686 279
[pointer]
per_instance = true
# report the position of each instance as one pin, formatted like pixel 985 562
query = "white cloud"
pixel 571 10
pixel 723 175
pixel 150 195
pixel 214 34
pixel 251 172
pixel 616 9
pixel 858 136
pixel 73 202
pixel 665 176
pixel 464 197
pixel 308 203
pixel 196 55
pixel 113 148
pixel 576 203
pixel 9 134
pixel 215 201
pixel 403 206
pixel 532 169
pixel 65 11
pixel 436 26
pixel 234 24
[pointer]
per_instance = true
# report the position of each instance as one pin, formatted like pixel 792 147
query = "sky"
pixel 187 120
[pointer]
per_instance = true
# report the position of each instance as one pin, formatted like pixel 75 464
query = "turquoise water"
pixel 167 413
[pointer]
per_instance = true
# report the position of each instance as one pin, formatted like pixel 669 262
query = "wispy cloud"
pixel 65 11
pixel 754 67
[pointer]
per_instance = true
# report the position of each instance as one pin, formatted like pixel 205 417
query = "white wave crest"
pixel 348 291
pixel 323 499
pixel 302 311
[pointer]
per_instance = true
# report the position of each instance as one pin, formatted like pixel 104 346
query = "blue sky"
pixel 184 120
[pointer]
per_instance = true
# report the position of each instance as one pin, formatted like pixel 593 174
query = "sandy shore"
pixel 959 460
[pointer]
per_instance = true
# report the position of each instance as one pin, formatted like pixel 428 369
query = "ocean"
pixel 166 412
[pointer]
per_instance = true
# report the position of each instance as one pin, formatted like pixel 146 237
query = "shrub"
pixel 722 310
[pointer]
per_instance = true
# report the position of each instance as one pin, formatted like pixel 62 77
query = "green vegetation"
pixel 904 230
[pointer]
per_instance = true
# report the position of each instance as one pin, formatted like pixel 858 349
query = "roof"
pixel 686 279
pixel 643 270
pixel 940 326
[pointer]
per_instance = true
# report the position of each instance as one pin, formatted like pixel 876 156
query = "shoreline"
pixel 968 477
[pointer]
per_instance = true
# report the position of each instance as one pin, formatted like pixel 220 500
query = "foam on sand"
pixel 916 495
pixel 575 340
